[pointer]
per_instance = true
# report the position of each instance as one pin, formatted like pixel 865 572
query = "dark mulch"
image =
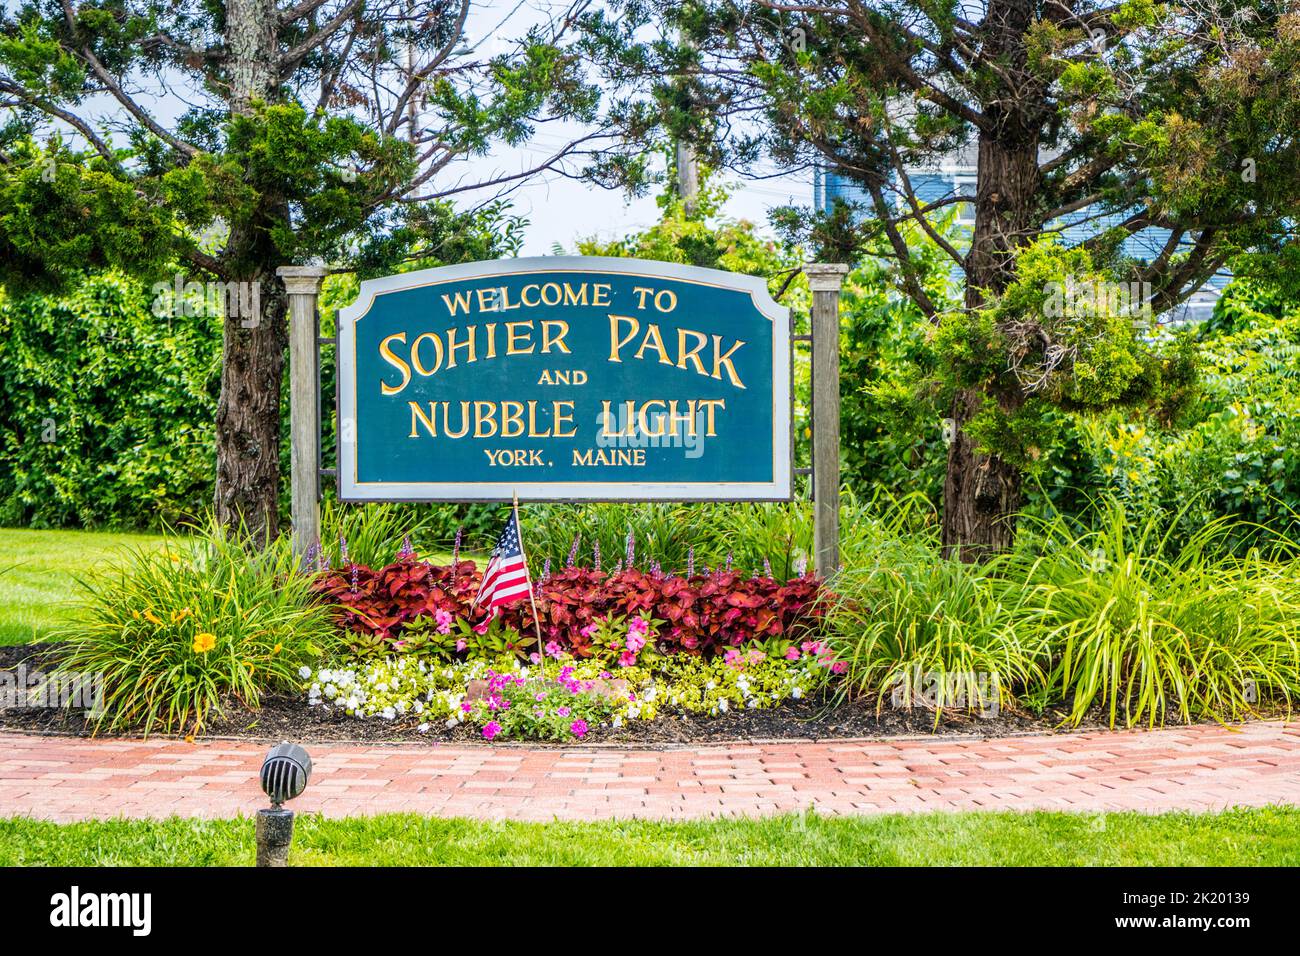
pixel 288 718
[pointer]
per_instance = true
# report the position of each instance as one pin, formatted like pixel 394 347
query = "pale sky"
pixel 562 210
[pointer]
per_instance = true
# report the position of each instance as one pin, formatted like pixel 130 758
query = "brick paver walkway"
pixel 1196 768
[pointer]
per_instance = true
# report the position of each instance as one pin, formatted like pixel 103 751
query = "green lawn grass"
pixel 1243 837
pixel 38 571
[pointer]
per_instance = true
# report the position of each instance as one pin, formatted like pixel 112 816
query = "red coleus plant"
pixel 702 614
pixel 382 602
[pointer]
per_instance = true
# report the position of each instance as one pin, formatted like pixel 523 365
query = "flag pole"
pixel 537 625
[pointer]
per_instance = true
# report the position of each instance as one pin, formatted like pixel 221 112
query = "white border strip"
pixel 776 490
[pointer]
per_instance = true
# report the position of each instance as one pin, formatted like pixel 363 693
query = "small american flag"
pixel 506 577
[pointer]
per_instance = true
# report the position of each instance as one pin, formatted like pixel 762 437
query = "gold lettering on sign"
pixel 386 353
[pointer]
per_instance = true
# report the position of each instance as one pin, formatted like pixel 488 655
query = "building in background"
pixel 954 175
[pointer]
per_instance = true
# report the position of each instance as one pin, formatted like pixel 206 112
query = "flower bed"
pixel 616 647
pixel 561 697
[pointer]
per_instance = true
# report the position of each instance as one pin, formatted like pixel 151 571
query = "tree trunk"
pixel 252 352
pixel 981 493
pixel 248 416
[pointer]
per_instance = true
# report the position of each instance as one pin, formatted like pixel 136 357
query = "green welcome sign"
pixel 564 378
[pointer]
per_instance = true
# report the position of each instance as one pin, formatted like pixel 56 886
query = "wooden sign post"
pixel 303 285
pixel 825 280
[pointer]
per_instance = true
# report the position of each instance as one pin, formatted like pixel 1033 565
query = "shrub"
pixel 175 632
pixel 106 414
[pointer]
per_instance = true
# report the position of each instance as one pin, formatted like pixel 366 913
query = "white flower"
pixel 797 693
pixel 451 722
pixel 304 672
pixel 423 728
pixel 617 722
pixel 722 704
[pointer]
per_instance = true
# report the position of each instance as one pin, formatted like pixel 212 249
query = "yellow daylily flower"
pixel 182 614
pixel 204 642
pixel 153 618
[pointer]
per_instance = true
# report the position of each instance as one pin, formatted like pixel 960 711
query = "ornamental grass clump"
pixel 1152 629
pixel 912 619
pixel 176 632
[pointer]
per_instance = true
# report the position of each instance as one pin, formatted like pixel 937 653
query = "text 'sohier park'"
pixel 564 378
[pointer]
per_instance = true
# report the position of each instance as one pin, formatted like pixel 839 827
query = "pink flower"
pixel 732 657
pixel 635 642
pixel 539 696
pixel 535 657
pixel 461 645
pixel 563 711
pixel 839 667
pixel 444 619
pixel 590 629
pixel 626 659
pixel 553 649
pixel 491 729
pixel 792 654
pixel 466 707
pixel 638 626
pixel 579 727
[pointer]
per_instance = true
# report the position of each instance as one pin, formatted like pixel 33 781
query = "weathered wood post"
pixel 303 285
pixel 825 280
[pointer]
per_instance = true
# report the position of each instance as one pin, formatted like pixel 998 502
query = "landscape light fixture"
pixel 285 773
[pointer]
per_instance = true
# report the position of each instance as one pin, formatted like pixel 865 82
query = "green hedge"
pixel 106 412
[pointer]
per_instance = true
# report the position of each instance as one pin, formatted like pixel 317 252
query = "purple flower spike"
pixel 343 550
pixel 690 562
pixel 455 550
pixel 407 552
pixel 573 551
pixel 767 568
pixel 596 552
pixel 631 547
